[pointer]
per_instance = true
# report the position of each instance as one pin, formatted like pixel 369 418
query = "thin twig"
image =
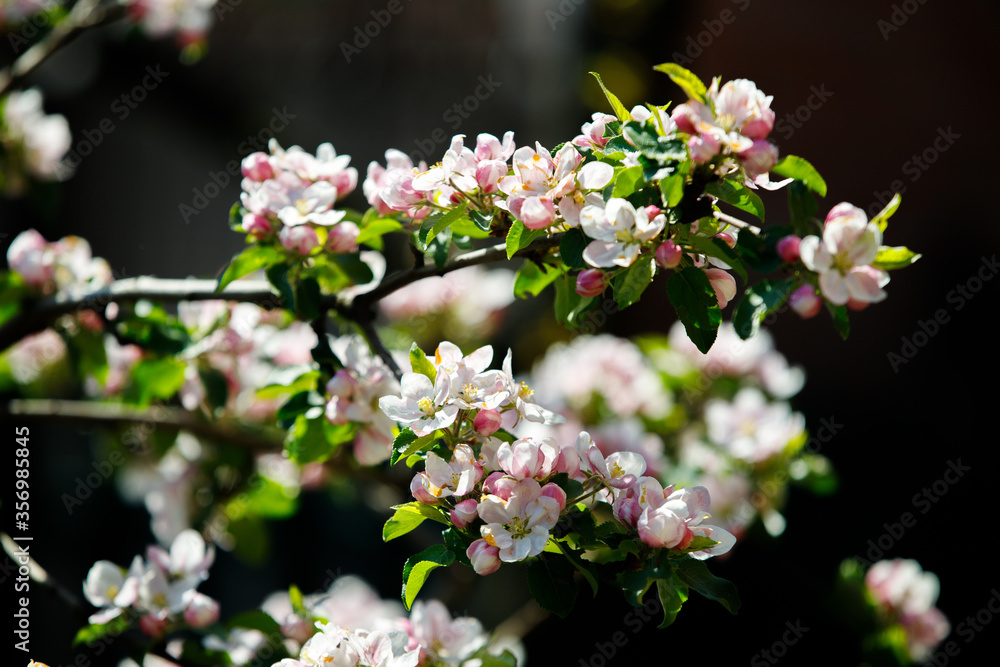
pixel 736 222
pixel 111 414
pixel 85 14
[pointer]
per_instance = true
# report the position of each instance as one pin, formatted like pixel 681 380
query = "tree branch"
pixel 85 14
pixel 111 414
pixel 42 313
pixel 736 222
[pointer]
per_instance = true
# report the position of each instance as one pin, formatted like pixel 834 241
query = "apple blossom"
pixel 485 557
pixel 40 140
pixel 788 248
pixel 843 256
pixel 669 254
pixel 519 526
pixel 904 593
pixel 590 282
pixel 619 232
pixel 442 638
pixel 422 406
pixel 723 284
pixel 805 301
pixel 487 422
pixel 443 478
pixel 750 427
pixel 201 610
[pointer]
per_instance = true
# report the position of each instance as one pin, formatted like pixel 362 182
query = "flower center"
pixel 525 391
pixel 517 527
pixel 426 406
pixel 616 470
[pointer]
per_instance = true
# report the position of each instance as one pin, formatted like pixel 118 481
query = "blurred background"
pixel 879 96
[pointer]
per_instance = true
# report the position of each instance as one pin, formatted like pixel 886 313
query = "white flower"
pixel 843 256
pixel 422 406
pixel 619 231
pixel 520 525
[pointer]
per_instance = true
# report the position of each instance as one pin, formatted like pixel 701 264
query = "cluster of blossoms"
pixel 718 420
pixel 290 195
pixel 160 591
pixel 47 267
pixel 505 490
pixel 905 595
pixel 349 624
pixel 729 130
pixel 32 143
pixel 842 261
pixel 188 19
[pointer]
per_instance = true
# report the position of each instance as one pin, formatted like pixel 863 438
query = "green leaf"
pixel 307 299
pixel 672 189
pixel 270 500
pixel 532 279
pixel 418 567
pixel 571 247
pixel 695 574
pixel 792 166
pixel 255 256
pixel 158 378
pixel 376 229
pixel 487 659
pixel 760 300
pixel 738 195
pixel 569 305
pixel 91 634
pixel 298 382
pixel 628 181
pixel 632 282
pixel 673 594
pixel 841 321
pixel 619 108
pixel 421 364
pixel 688 82
pixel 802 208
pixel 694 300
pixel 355 268
pixel 255 620
pixel 306 441
pixel 407 443
pixel 437 222
pixel 654 146
pixel 277 275
pixel 407 517
pixel 550 581
pixel 890 258
pixel 882 218
pixel 520 237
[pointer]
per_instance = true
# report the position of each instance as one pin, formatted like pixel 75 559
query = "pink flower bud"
pixel 555 492
pixel 788 248
pixel 152 626
pixel 300 239
pixel 805 302
pixel 465 513
pixel 727 239
pixel 343 237
pixel 855 304
pixel 499 485
pixel 257 225
pixel 201 611
pixel 653 210
pixel 485 557
pixel 419 492
pixel 723 284
pixel 669 255
pixel 257 167
pixel 29 257
pixel 487 422
pixel 590 282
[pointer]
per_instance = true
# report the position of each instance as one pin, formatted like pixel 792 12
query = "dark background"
pixel 890 92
